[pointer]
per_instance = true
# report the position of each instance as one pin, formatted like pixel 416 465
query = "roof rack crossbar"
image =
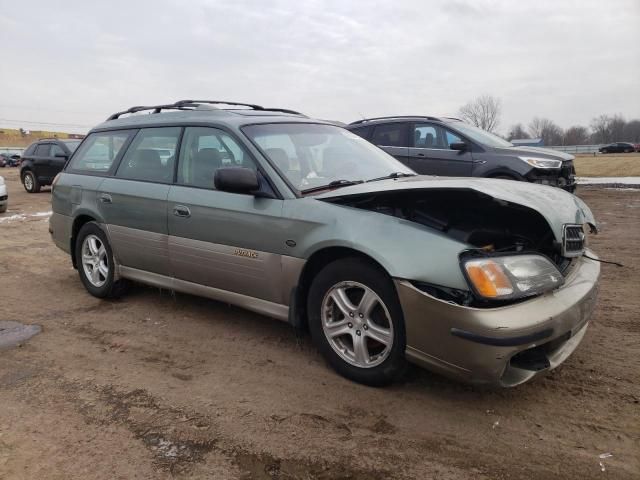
pixel 192 104
pixel 364 120
pixel 250 105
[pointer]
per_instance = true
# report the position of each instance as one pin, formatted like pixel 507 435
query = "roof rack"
pixel 193 104
pixel 364 120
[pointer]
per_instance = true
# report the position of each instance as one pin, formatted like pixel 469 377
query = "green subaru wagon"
pixel 484 280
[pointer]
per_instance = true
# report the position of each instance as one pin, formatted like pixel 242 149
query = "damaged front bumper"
pixel 502 346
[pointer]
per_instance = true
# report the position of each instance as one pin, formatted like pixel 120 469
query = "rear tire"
pixel 3 208
pixel 30 182
pixel 356 321
pixel 96 266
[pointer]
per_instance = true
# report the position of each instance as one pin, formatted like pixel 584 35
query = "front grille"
pixel 3 197
pixel 573 241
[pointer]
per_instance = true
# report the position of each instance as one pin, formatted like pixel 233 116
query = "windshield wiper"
pixel 393 175
pixel 333 184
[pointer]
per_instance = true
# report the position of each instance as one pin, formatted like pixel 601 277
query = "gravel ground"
pixel 157 385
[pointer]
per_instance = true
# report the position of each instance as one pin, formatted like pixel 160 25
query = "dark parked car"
pixel 618 147
pixel 43 160
pixel 450 147
pixel 9 160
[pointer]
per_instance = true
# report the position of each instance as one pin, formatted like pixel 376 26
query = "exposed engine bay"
pixel 472 217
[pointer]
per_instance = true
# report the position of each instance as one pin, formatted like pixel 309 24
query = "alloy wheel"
pixel 357 324
pixel 95 262
pixel 28 182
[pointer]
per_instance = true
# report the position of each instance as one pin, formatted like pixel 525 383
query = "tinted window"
pixel 42 150
pixel 151 155
pixel 57 150
pixel 392 135
pixel 203 151
pixel 98 151
pixel 361 131
pixel 30 150
pixel 72 145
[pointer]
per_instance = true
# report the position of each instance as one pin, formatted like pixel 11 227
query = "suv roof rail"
pixel 48 138
pixel 364 120
pixel 193 104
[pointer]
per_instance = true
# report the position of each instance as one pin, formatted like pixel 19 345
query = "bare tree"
pixel 483 112
pixel 547 130
pixel 576 135
pixel 517 131
pixel 600 132
pixel 631 132
pixel 616 128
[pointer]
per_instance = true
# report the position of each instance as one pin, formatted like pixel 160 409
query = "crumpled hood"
pixel 554 204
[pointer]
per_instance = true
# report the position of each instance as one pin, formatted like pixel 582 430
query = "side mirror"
pixel 459 146
pixel 236 180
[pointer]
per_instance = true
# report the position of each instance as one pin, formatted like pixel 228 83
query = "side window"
pixel 392 135
pixel 361 131
pixel 151 155
pixel 203 151
pixel 30 150
pixel 98 151
pixel 427 135
pixel 56 150
pixel 451 137
pixel 42 150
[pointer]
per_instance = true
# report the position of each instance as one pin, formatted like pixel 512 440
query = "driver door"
pixel 215 237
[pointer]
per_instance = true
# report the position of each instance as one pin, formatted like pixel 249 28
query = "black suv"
pixel 43 160
pixel 450 147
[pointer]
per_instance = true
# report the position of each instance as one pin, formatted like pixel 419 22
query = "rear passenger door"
pixel 41 157
pixel 215 237
pixel 134 202
pixel 430 153
pixel 393 138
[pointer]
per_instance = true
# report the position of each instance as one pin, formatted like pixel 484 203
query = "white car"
pixel 4 197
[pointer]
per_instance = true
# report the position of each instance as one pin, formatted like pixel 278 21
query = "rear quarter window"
pixel 98 151
pixel 361 131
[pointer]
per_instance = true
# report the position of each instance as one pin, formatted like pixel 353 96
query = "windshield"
pixel 481 136
pixel 313 155
pixel 72 145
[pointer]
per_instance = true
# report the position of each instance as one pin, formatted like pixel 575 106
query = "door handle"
pixel 181 211
pixel 421 155
pixel 106 198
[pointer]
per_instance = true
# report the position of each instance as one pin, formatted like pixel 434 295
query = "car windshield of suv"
pixel 72 145
pixel 315 155
pixel 481 136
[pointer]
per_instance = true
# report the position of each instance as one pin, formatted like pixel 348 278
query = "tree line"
pixel 484 112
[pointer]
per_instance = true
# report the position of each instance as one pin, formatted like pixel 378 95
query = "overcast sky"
pixel 75 62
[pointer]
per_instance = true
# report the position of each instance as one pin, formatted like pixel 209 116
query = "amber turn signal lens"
pixel 489 279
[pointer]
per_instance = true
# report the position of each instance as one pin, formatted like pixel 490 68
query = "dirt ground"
pixel 158 386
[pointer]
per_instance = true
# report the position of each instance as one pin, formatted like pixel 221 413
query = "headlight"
pixel 1 180
pixel 542 162
pixel 516 276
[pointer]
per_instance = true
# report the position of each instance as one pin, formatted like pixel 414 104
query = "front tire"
pixel 30 182
pixel 94 259
pixel 356 321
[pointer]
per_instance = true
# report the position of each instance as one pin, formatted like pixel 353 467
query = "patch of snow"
pixel 610 181
pixel 22 216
